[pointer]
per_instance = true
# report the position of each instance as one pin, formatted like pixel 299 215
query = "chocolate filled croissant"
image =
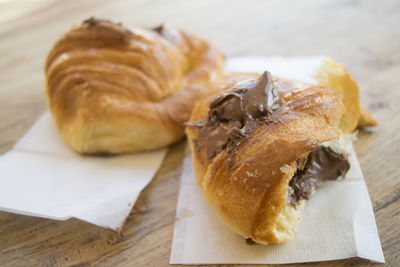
pixel 261 144
pixel 114 90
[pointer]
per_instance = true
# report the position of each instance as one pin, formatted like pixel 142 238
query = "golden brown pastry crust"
pixel 250 195
pixel 333 75
pixel 114 90
pixel 366 119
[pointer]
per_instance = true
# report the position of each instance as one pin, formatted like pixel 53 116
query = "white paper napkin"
pixel 41 176
pixel 338 221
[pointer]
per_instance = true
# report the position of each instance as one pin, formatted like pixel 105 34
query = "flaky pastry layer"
pixel 251 196
pixel 114 90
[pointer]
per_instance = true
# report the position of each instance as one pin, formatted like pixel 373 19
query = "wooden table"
pixel 362 35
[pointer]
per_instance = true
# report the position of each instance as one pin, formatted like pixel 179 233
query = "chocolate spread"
pixel 93 21
pixel 235 114
pixel 322 164
pixel 250 241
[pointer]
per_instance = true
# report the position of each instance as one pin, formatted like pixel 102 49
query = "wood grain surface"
pixel 362 35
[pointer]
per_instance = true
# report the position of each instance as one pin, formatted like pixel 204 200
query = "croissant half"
pixel 114 90
pixel 259 175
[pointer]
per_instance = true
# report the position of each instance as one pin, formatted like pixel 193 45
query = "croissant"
pixel 114 90
pixel 260 145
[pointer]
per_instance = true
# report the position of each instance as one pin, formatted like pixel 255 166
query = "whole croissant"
pixel 114 90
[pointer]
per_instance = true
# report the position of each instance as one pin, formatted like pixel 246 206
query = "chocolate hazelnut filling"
pixel 238 112
pixel 322 164
pixel 235 114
